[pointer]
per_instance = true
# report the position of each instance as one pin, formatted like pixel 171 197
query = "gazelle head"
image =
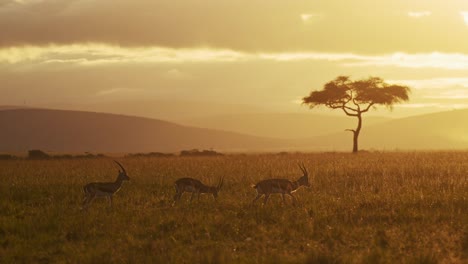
pixel 215 190
pixel 304 180
pixel 122 173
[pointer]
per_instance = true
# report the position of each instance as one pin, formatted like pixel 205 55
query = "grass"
pixel 365 208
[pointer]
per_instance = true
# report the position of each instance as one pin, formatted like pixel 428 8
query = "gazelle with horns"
pixel 195 186
pixel 104 189
pixel 282 186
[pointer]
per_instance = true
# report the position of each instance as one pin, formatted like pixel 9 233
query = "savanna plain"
pixel 382 207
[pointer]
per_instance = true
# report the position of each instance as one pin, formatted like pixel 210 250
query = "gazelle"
pixel 195 186
pixel 104 189
pixel 283 186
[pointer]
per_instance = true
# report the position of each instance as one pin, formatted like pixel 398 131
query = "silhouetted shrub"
pixel 150 154
pixel 88 155
pixel 37 154
pixel 6 157
pixel 196 152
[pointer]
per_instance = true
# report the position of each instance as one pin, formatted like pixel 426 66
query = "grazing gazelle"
pixel 195 186
pixel 104 189
pixel 283 186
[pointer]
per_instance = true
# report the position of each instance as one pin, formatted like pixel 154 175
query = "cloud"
pixel 465 16
pixel 20 54
pixel 419 14
pixel 458 92
pixel 102 54
pixel 304 56
pixel 434 83
pixel 420 105
pixel 437 92
pixel 115 91
pixel 307 18
pixel 433 105
pixel 26 2
pixel 451 95
pixel 242 25
pixel 438 60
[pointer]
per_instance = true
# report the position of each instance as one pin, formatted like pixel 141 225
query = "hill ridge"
pixel 67 130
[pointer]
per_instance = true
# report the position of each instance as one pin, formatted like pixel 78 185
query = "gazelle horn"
pixel 303 168
pixel 123 169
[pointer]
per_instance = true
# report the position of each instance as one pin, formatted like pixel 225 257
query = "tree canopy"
pixel 359 96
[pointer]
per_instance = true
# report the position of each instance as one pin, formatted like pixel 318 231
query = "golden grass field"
pixel 365 208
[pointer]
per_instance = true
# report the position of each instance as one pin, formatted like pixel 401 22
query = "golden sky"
pixel 267 54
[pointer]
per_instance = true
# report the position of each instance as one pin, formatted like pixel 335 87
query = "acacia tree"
pixel 357 97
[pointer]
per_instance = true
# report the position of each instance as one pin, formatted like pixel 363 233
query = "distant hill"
pixel 281 125
pixel 73 131
pixel 443 130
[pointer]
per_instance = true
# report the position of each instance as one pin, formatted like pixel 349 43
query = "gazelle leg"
pixel 110 200
pixel 85 201
pixel 266 199
pixel 294 200
pixel 92 199
pixel 177 196
pixel 256 198
pixel 191 197
pixel 198 196
pixel 89 199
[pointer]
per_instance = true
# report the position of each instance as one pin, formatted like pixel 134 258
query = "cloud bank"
pixel 360 26
pixel 101 54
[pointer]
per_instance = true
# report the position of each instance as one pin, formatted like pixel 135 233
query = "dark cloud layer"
pixel 361 26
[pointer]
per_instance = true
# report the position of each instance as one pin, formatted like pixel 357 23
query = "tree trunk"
pixel 356 134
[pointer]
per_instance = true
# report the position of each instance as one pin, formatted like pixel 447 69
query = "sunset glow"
pixel 202 52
